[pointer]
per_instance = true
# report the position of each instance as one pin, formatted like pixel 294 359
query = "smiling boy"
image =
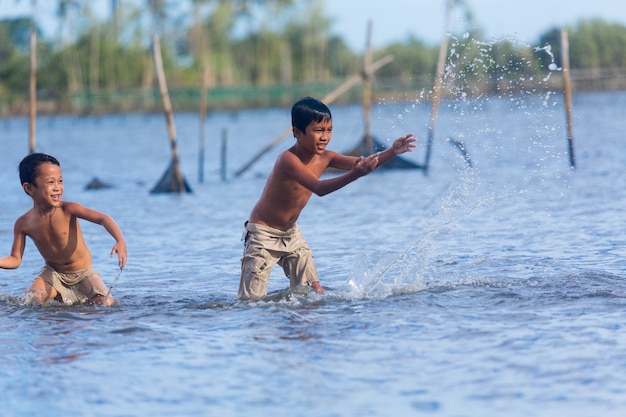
pixel 52 224
pixel 272 234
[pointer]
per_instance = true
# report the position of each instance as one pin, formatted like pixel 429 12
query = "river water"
pixel 492 290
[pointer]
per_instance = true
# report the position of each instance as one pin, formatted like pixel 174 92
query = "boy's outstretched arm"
pixel 105 221
pixel 295 168
pixel 17 250
pixel 401 145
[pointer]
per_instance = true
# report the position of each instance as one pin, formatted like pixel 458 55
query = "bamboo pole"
pixel 567 85
pixel 172 180
pixel 32 91
pixel 443 50
pixel 201 138
pixel 200 52
pixel 367 90
pixel 329 98
pixel 223 153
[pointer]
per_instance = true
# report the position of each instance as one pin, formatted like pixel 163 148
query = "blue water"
pixel 493 290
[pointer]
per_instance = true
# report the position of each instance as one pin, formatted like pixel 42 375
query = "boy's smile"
pixel 48 188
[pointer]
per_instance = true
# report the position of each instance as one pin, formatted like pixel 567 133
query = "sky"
pixel 525 20
pixel 395 20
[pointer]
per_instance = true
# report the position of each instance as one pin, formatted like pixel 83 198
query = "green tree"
pixel 594 44
pixel 412 59
pixel 14 50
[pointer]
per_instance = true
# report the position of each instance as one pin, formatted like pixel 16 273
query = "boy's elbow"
pixel 320 193
pixel 10 263
pixel 318 190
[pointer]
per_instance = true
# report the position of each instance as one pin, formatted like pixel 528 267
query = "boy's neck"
pixel 44 210
pixel 302 153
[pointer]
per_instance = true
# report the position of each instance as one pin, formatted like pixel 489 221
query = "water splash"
pixel 414 269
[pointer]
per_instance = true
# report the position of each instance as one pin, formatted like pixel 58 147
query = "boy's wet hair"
pixel 30 164
pixel 307 110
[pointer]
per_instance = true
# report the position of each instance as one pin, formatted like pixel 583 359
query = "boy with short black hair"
pixel 272 235
pixel 52 224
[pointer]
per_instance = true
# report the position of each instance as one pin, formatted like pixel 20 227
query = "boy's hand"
pixel 120 249
pixel 365 165
pixel 404 144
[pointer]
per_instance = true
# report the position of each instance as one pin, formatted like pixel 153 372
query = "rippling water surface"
pixel 492 290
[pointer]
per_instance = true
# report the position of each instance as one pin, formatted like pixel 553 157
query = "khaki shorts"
pixel 74 287
pixel 266 246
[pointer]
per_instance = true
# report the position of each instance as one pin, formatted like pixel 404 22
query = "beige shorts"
pixel 266 246
pixel 74 287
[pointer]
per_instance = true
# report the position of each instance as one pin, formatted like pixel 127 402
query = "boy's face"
pixel 316 136
pixel 48 187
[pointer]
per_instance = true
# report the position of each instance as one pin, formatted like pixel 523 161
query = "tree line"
pixel 254 48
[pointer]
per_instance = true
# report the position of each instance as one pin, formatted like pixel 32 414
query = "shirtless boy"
pixel 272 235
pixel 52 224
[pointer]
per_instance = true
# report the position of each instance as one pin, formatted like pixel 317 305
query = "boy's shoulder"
pixel 293 153
pixel 24 217
pixel 25 221
pixel 70 206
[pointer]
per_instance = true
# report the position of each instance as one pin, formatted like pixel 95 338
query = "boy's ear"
pixel 28 188
pixel 296 131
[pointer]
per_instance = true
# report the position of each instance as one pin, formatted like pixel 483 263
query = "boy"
pixel 53 226
pixel 272 233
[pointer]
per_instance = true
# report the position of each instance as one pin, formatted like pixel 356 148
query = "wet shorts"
pixel 266 246
pixel 74 287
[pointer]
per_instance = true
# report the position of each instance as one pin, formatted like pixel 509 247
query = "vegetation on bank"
pixel 251 53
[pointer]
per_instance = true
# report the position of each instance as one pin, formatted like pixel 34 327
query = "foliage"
pixel 230 43
pixel 593 44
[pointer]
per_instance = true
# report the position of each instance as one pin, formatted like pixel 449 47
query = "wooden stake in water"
pixel 437 91
pixel 201 141
pixel 32 91
pixel 117 278
pixel 367 91
pixel 223 153
pixel 567 84
pixel 172 180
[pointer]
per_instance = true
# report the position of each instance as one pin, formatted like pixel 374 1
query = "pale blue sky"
pixel 394 20
pixel 526 20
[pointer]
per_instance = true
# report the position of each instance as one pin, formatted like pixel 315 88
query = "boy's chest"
pixel 317 166
pixel 51 230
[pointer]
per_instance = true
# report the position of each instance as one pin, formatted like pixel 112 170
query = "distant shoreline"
pixel 251 97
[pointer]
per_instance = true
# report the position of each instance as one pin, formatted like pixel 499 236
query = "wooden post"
pixel 443 50
pixel 204 73
pixel 32 91
pixel 367 91
pixel 567 84
pixel 329 98
pixel 201 140
pixel 172 180
pixel 223 154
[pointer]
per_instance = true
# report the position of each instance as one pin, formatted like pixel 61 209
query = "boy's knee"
pixel 35 296
pixel 252 287
pixel 39 292
pixel 254 278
